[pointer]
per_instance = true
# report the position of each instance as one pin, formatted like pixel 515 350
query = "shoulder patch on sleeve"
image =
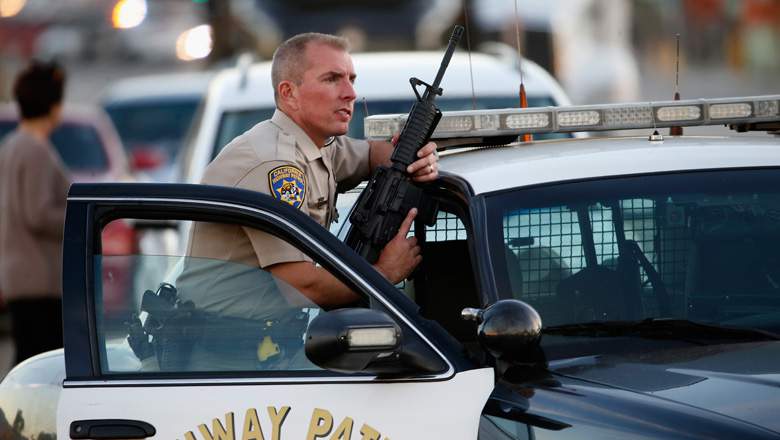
pixel 288 184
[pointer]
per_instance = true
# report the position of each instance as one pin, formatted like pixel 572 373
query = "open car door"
pixel 175 345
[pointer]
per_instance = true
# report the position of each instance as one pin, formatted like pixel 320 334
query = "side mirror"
pixel 509 329
pixel 366 341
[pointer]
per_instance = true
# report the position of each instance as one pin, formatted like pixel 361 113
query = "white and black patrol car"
pixel 647 269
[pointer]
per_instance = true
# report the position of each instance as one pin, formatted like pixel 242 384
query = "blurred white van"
pixel 240 97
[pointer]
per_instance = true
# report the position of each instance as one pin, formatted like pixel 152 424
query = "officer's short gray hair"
pixel 289 58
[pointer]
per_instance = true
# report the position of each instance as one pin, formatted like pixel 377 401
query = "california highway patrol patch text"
pixel 288 184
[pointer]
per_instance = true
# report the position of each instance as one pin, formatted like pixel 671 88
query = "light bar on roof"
pixel 679 113
pixel 649 115
pixel 733 110
pixel 528 120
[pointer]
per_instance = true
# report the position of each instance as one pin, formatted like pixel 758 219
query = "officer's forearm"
pixel 379 153
pixel 315 283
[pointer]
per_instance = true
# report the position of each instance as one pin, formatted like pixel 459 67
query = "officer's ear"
pixel 288 94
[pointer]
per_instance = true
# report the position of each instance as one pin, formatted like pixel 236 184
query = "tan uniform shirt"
pixel 278 158
pixel 33 193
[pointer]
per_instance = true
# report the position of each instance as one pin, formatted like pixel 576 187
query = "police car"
pixel 608 287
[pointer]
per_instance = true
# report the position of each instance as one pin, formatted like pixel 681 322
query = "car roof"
pixel 385 75
pixel 489 169
pixel 161 86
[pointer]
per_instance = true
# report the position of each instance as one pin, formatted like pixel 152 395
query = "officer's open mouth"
pixel 345 112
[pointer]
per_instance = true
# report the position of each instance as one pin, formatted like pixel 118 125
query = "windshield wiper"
pixel 661 328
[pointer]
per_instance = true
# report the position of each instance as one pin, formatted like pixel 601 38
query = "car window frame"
pixel 105 203
pixel 458 196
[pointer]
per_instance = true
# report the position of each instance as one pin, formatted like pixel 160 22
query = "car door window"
pixel 159 312
pixel 445 272
pixel 444 284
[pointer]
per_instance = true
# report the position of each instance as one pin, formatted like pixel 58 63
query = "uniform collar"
pixel 301 138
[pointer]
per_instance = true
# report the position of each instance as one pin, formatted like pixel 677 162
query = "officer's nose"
pixel 348 91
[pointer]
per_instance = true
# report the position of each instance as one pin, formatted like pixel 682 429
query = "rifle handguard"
pixel 418 129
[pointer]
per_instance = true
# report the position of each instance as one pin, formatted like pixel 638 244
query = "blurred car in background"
pixel 152 115
pixel 240 97
pixel 85 140
pixel 91 150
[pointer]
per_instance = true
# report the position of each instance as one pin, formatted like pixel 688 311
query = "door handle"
pixel 109 429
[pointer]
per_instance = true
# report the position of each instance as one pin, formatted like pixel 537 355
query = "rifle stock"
pixel 390 193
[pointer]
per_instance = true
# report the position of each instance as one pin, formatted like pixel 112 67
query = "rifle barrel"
pixel 454 39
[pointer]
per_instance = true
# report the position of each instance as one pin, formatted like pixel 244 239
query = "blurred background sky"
pixel 600 50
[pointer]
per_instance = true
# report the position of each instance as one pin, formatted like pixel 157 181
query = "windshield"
pixel 160 124
pixel 236 122
pixel 697 246
pixel 79 145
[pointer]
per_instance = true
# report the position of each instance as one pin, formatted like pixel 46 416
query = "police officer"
pixel 300 157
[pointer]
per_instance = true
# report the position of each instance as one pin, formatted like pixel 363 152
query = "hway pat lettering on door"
pixel 321 426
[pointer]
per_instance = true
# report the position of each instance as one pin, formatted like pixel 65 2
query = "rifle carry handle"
pixel 424 116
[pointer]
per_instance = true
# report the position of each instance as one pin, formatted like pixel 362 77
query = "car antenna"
pixel 468 50
pixel 676 130
pixel 525 137
pixel 655 136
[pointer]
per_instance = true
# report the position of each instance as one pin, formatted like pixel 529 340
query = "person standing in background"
pixel 33 194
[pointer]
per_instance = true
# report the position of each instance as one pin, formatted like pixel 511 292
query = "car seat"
pixel 592 294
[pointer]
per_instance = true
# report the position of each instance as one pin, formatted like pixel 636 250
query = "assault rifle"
pixel 390 193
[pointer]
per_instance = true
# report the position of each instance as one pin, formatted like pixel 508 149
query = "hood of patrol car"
pixel 740 381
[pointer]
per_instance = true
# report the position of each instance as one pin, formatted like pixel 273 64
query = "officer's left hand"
pixel 426 168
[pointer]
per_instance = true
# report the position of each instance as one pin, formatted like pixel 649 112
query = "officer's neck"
pixel 319 140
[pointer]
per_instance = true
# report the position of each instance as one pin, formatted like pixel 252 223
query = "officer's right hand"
pixel 401 255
